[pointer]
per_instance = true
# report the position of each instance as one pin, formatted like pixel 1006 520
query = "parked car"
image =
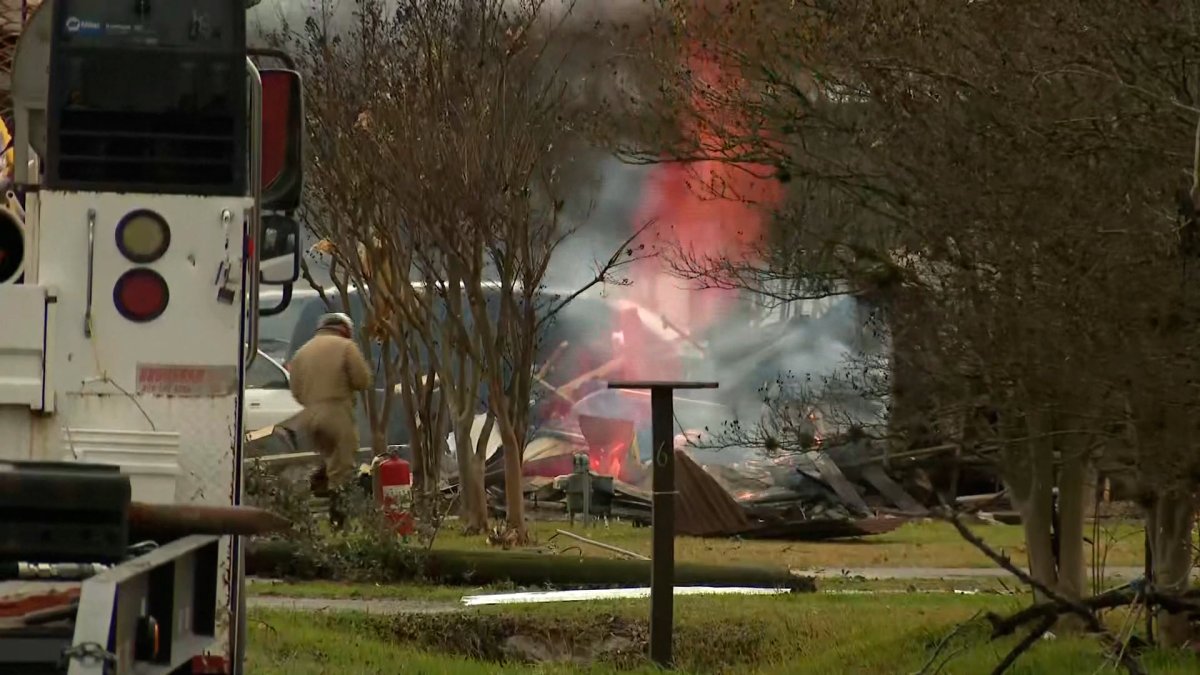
pixel 268 398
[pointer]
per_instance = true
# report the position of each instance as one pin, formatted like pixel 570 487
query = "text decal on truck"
pixel 182 380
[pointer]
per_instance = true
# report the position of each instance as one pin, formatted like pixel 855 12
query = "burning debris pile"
pixel 658 328
pixel 833 492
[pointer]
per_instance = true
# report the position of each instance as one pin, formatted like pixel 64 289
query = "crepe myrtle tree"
pixel 444 140
pixel 362 232
pixel 504 125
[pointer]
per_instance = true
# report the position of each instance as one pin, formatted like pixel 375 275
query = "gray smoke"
pixel 602 213
pixel 800 353
pixel 754 354
pixel 269 16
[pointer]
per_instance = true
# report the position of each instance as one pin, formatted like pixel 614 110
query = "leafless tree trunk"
pixel 1076 497
pixel 1171 525
pixel 1030 480
pixel 462 394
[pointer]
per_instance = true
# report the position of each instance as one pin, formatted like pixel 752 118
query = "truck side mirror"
pixel 282 140
pixel 279 250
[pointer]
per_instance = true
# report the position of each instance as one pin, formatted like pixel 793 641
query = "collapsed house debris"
pixel 836 491
pixel 841 487
pixel 844 490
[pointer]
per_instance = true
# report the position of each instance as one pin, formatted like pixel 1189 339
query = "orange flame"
pixel 711 209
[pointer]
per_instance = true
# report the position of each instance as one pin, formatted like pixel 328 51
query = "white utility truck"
pixel 157 165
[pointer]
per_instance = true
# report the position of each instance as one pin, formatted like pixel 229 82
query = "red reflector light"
pixel 141 295
pixel 210 665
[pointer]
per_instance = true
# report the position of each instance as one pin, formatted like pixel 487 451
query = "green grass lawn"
pixel 916 544
pixel 853 626
pixel 813 633
pixel 393 591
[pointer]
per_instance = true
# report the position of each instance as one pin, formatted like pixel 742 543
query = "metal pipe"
pixel 153 520
pixel 49 571
pixel 587 495
pixel 254 277
pixel 91 265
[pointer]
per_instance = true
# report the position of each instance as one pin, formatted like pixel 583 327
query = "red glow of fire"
pixel 601 461
pixel 611 463
pixel 709 209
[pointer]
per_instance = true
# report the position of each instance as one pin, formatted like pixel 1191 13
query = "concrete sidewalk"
pixel 945 573
pixel 389 606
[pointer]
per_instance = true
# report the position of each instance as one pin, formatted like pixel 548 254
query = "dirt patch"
pixel 528 639
pixel 578 652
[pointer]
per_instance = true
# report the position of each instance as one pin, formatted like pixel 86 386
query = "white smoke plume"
pixel 753 354
pixel 268 16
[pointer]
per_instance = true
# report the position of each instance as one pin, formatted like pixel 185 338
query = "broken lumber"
pixel 878 479
pixel 845 490
pixel 286 559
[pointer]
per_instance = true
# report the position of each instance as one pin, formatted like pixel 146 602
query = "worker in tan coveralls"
pixel 326 373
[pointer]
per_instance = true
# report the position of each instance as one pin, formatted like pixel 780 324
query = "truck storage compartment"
pixel 149 458
pixel 23 378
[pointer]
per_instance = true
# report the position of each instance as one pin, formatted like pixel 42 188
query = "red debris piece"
pixel 18 606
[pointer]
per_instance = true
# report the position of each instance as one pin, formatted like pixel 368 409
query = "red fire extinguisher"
pixel 395 493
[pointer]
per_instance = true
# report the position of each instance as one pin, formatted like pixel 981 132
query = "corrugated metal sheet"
pixel 702 507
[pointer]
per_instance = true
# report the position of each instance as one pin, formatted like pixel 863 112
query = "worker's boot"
pixel 337 506
pixel 318 482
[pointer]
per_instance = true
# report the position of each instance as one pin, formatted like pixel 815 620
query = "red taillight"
pixel 141 295
pixel 210 665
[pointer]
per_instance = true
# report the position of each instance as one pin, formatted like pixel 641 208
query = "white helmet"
pixel 336 319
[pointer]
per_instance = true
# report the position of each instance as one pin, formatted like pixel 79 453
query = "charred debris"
pixel 844 490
